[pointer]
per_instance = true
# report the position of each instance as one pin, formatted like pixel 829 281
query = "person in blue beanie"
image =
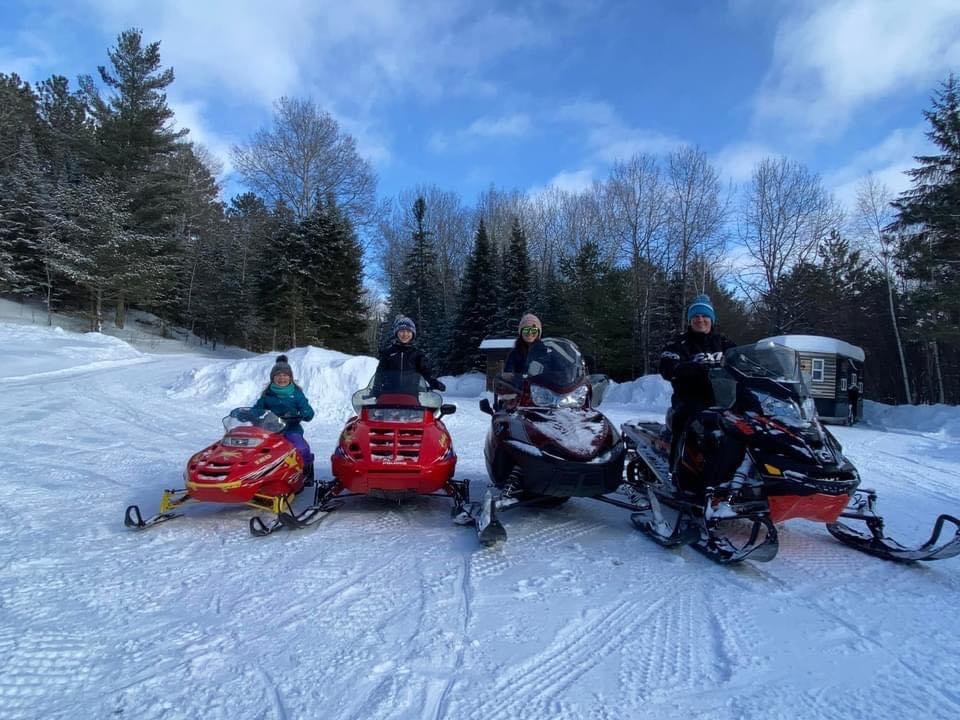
pixel 686 362
pixel 402 364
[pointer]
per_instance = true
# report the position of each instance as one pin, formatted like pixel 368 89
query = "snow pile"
pixel 32 350
pixel 471 385
pixel 650 392
pixel 943 420
pixel 328 379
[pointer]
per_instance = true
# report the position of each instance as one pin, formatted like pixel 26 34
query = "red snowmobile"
pixel 252 464
pixel 759 457
pixel 395 447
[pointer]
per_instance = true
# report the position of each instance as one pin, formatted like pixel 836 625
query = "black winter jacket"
pixel 691 384
pixel 404 364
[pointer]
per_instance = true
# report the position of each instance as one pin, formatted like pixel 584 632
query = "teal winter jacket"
pixel 295 405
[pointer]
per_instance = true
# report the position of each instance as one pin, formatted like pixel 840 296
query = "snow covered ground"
pixel 393 612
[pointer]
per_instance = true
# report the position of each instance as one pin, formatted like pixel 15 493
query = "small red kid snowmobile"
pixel 252 464
pixel 759 457
pixel 395 447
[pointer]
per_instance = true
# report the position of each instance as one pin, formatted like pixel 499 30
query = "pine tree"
pixel 417 292
pixel 929 215
pixel 517 293
pixel 133 139
pixel 344 313
pixel 478 307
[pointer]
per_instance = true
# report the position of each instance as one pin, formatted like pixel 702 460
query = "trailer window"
pixel 816 374
pixel 843 384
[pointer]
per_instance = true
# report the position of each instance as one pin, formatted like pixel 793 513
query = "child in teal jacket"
pixel 285 399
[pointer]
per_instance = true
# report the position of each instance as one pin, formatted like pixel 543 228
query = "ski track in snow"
pixel 386 611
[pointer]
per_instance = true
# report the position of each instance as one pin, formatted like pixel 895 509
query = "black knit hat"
pixel 402 322
pixel 281 366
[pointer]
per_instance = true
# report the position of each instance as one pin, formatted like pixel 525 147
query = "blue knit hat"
pixel 701 305
pixel 402 322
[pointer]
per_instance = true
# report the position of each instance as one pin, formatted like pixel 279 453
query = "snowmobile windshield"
pixel 397 389
pixel 244 416
pixel 555 378
pixel 556 363
pixel 770 382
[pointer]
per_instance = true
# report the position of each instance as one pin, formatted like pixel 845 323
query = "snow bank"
pixel 942 420
pixel 651 392
pixel 471 385
pixel 34 350
pixel 328 379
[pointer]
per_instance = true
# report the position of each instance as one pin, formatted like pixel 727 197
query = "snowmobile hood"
pixel 568 433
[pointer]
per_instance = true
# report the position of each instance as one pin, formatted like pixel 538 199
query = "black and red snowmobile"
pixel 547 442
pixel 252 464
pixel 395 447
pixel 759 457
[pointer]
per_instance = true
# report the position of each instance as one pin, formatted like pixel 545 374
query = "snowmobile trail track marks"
pixel 537 685
pixel 665 657
pixel 494 560
pixel 465 597
pixel 40 668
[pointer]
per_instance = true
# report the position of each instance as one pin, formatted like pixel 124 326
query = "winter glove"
pixel 437 385
pixel 241 414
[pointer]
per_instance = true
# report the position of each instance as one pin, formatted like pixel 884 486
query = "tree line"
pixel 106 204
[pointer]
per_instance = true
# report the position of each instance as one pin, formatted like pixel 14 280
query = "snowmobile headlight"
pixel 544 397
pixel 772 470
pixel 246 442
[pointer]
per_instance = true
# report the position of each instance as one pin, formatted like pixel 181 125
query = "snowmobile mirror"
pixel 485 407
pixel 447 409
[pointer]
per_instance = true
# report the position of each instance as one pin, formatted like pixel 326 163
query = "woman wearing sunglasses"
pixel 527 346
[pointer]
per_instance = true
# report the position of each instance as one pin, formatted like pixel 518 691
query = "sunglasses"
pixel 531 330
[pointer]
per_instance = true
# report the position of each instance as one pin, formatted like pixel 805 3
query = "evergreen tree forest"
pixel 107 204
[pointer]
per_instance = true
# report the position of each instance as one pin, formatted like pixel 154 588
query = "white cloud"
pixel 830 58
pixel 572 181
pixel 484 128
pixel 192 115
pixel 737 161
pixel 608 137
pixel 887 161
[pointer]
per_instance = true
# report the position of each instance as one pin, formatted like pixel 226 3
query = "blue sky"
pixel 528 94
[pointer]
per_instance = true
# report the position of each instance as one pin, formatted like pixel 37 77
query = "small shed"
pixel 495 350
pixel 833 370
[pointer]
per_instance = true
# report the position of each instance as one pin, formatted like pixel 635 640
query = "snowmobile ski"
pixel 133 519
pixel 489 528
pixel 863 507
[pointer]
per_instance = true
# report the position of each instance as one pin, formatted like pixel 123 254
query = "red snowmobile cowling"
pixel 395 447
pixel 252 464
pixel 247 461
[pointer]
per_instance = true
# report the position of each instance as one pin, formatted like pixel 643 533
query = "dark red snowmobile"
pixel 761 456
pixel 546 441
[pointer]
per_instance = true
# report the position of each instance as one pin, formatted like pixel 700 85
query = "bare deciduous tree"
pixel 696 215
pixel 874 215
pixel 305 155
pixel 786 213
pixel 636 214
